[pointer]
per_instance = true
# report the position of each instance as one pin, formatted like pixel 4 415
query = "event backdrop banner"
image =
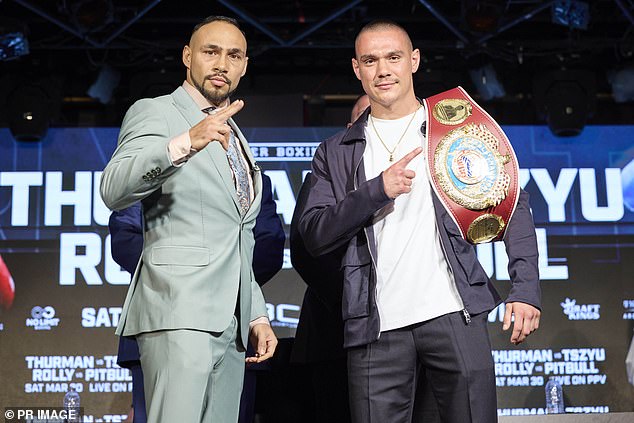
pixel 61 292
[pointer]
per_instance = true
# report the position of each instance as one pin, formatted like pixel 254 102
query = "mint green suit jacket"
pixel 196 266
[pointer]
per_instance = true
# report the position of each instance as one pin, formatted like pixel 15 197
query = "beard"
pixel 214 96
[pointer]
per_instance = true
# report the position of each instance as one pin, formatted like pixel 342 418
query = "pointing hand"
pixel 397 179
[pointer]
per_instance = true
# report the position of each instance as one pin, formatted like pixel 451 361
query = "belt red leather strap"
pixel 472 165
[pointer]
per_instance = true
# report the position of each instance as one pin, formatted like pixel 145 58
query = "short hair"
pixel 379 24
pixel 216 18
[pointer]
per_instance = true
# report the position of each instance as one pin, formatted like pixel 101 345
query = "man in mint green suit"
pixel 193 301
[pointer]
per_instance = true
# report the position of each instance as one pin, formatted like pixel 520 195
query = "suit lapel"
pixel 187 106
pixel 193 115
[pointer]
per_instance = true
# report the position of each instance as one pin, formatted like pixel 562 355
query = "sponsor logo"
pixel 42 318
pixel 576 311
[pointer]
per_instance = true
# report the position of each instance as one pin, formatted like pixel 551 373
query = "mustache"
pixel 219 76
pixel 383 80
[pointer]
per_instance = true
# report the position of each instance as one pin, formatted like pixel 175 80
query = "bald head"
pixel 382 25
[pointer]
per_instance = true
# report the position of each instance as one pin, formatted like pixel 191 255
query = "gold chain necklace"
pixel 399 140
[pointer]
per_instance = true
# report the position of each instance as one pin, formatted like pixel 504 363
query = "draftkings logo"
pixel 576 311
pixel 42 318
pixel 628 312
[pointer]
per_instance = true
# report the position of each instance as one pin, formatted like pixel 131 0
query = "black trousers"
pixel 454 356
pixel 329 383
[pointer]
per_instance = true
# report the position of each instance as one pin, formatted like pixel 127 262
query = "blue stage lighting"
pixel 622 82
pixel 571 13
pixel 487 83
pixel 627 178
pixel 107 80
pixel 13 45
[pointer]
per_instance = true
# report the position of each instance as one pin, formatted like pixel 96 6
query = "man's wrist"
pixel 180 149
pixel 259 321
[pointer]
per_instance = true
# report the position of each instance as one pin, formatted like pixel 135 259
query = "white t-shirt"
pixel 414 282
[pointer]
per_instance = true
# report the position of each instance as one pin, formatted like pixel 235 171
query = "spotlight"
pixel 571 13
pixel 486 82
pixel 566 99
pixel 566 108
pixel 13 45
pixel 29 113
pixel 622 82
pixel 106 82
pixel 482 16
pixel 90 15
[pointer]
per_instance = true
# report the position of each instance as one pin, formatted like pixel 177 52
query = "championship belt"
pixel 472 165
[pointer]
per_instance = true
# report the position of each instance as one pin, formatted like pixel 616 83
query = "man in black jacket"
pixel 415 298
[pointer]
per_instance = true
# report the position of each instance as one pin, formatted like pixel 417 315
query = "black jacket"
pixel 319 334
pixel 339 210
